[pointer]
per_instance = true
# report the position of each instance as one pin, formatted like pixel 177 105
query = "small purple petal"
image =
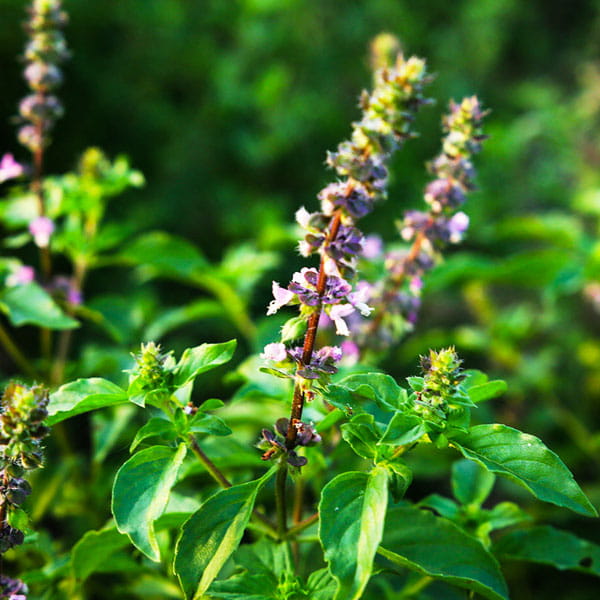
pixel 281 298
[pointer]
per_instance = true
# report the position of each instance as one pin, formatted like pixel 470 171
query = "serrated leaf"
pixel 433 546
pixel 29 304
pixel 200 359
pixel 550 546
pixel 141 492
pixel 82 396
pixel 93 550
pixel 212 534
pixel 471 483
pixel 352 513
pixel 153 428
pixel 524 459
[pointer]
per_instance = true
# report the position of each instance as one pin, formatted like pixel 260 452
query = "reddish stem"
pixel 311 334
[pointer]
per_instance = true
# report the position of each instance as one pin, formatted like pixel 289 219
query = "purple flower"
pixel 9 168
pixel 444 193
pixel 275 352
pixel 372 247
pixel 457 226
pixel 350 196
pixel 41 229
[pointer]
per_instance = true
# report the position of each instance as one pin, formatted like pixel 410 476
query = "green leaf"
pixel 404 429
pixel 176 317
pixel 430 545
pixel 524 459
pixel 550 546
pixel 246 586
pixel 487 391
pixel 200 359
pixel 82 396
pixel 212 534
pixel 93 550
pixel 352 513
pixel 204 423
pixel 362 435
pixel 471 483
pixel 164 254
pixel 29 304
pixel 379 387
pixel 400 478
pixel 441 505
pixel 153 428
pixel 141 492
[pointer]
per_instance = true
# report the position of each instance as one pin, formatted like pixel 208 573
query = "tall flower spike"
pixel 386 122
pixel 44 52
pixel 397 299
pixel 22 414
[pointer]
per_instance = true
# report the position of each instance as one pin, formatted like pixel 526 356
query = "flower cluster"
pixel 44 52
pixel 153 370
pixel 387 119
pixel 321 365
pixel 439 391
pixel 21 431
pixel 397 299
pixel 274 442
pixel 12 589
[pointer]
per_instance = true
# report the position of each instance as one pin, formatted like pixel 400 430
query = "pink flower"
pixel 281 298
pixel 351 353
pixel 41 229
pixel 275 352
pixel 24 274
pixel 9 168
pixel 337 313
pixel 372 246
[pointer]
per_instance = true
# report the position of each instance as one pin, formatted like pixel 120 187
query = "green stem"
pixel 280 501
pixel 302 525
pixel 412 589
pixel 208 464
pixel 218 476
pixel 16 354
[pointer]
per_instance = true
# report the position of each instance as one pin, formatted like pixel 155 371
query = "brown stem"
pixel 311 335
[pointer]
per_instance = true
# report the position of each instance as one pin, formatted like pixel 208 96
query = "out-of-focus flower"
pixel 10 168
pixel 41 228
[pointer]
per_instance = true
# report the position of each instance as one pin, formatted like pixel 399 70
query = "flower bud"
pixel 43 76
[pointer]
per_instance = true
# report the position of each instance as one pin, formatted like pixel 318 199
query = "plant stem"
pixel 300 527
pixel 208 464
pixel 311 335
pixel 16 354
pixel 412 589
pixel 280 500
pixel 218 476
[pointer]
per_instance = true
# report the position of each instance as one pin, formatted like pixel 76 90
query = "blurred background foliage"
pixel 228 108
